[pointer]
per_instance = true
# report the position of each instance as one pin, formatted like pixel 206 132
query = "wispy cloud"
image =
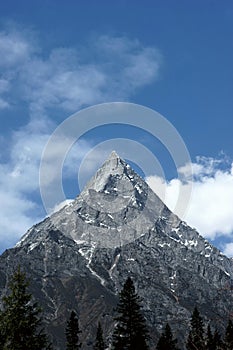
pixel 68 82
pixel 62 80
pixel 19 184
pixel 108 68
pixel 16 48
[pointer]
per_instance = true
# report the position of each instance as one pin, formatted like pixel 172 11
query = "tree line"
pixel 21 325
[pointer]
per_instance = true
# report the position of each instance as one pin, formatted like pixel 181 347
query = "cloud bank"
pixel 210 209
pixel 108 68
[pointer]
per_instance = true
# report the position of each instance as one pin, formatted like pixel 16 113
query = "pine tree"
pixel 209 339
pixel 229 336
pixel 72 332
pixel 1 332
pixel 166 341
pixel 196 335
pixel 20 320
pixel 217 341
pixel 213 340
pixel 99 341
pixel 130 332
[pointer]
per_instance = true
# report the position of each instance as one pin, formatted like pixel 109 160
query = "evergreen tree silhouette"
pixel 99 341
pixel 195 339
pixel 217 341
pixel 229 336
pixel 72 332
pixel 1 331
pixel 130 332
pixel 166 341
pixel 209 339
pixel 20 320
pixel 213 340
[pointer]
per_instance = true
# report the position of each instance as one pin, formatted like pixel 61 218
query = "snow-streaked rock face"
pixel 81 255
pixel 115 208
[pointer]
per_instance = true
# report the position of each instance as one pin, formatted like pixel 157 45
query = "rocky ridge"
pixel 79 257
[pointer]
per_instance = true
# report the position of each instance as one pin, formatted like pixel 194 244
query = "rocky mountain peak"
pixel 113 166
pixel 113 155
pixel 115 207
pixel 81 255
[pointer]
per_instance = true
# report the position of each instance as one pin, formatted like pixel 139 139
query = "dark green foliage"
pixel 72 332
pixel 213 341
pixel 229 336
pixel 217 341
pixel 209 339
pixel 1 332
pixel 130 332
pixel 196 335
pixel 20 319
pixel 166 341
pixel 99 341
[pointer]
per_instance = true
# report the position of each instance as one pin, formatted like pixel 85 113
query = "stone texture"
pixel 80 257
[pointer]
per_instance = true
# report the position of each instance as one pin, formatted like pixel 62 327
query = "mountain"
pixel 79 258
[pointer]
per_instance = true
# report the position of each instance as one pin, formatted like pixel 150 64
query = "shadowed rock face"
pixel 80 257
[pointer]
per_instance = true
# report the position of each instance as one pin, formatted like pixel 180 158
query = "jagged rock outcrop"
pixel 80 257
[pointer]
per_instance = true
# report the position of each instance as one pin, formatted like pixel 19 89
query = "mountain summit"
pixel 115 208
pixel 79 258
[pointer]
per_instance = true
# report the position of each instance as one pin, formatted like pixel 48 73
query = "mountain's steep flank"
pixel 80 257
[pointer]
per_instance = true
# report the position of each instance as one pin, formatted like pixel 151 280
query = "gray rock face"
pixel 80 257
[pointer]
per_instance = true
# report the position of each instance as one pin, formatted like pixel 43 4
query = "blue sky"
pixel 172 56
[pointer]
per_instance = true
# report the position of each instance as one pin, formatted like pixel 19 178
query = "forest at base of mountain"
pixel 21 325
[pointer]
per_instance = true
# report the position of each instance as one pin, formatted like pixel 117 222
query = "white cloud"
pixel 108 68
pixel 134 67
pixel 4 85
pixel 3 104
pixel 228 249
pixel 19 180
pixel 16 216
pixel 210 208
pixel 65 81
pixel 15 48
